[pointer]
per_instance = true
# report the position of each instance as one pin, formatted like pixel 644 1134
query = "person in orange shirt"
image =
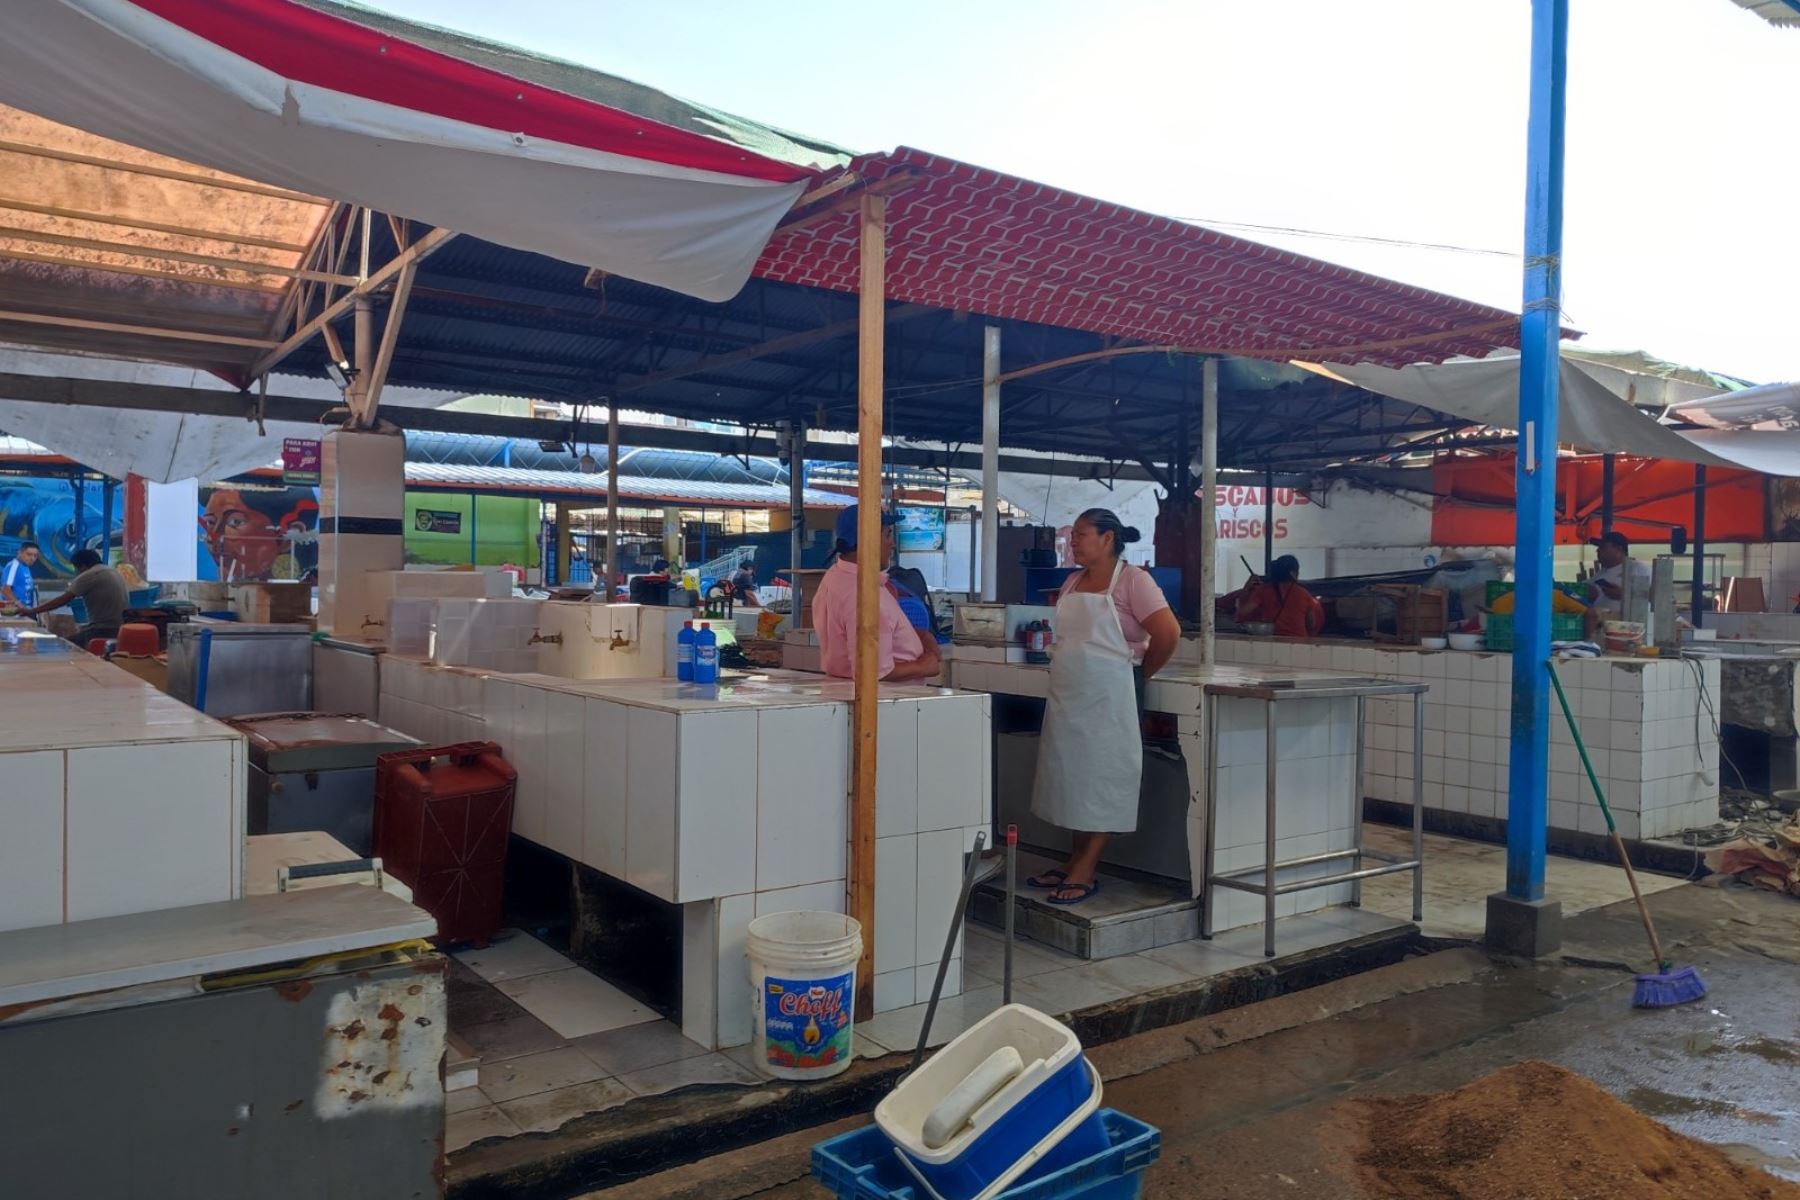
pixel 1281 601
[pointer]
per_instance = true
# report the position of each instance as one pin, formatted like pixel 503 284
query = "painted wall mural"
pixel 42 510
pixel 249 532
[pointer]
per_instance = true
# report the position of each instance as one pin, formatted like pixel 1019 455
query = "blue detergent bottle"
pixel 684 653
pixel 706 655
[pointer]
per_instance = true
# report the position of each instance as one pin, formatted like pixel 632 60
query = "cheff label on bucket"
pixel 806 1022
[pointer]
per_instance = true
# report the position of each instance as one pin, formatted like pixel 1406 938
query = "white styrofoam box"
pixel 896 769
pixel 604 824
pixel 31 839
pixel 802 794
pixel 150 826
pixel 651 781
pixel 565 789
pixel 896 901
pixel 717 805
pixel 953 762
pixel 808 897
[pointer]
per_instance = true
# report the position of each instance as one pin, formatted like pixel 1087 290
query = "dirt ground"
pixel 1304 1096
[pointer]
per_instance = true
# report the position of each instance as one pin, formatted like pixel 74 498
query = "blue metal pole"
pixel 1540 331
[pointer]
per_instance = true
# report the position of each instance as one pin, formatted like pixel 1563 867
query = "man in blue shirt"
pixel 18 589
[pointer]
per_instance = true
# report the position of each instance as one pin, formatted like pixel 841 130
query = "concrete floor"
pixel 1246 1100
pixel 1461 873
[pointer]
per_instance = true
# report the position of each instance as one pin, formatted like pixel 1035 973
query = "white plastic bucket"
pixel 803 992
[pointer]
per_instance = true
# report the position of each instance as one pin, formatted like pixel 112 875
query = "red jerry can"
pixel 442 817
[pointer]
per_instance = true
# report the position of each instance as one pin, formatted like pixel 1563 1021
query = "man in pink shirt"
pixel 904 655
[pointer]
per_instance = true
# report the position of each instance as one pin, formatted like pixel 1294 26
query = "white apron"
pixel 1091 754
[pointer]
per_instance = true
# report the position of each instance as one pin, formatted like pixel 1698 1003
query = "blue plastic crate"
pixel 863 1166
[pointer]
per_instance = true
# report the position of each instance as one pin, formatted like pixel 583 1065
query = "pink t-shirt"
pixel 1136 598
pixel 834 616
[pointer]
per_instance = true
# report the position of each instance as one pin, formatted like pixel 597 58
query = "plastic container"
pixel 1465 641
pixel 1564 627
pixel 706 654
pixel 1049 1107
pixel 861 1166
pixel 803 992
pixel 684 653
pixel 442 817
pixel 138 640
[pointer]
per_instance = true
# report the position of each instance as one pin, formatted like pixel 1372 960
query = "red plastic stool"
pixel 97 647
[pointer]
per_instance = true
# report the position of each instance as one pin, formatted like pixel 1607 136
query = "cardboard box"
pixel 271 603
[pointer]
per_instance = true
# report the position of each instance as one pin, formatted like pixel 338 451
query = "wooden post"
pixel 869 360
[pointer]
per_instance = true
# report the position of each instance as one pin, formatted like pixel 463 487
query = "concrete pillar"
pixel 362 502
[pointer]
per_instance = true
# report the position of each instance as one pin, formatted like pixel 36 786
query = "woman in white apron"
pixel 1091 754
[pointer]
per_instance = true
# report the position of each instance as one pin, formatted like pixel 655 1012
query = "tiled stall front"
pixel 1648 725
pixel 730 809
pixel 117 798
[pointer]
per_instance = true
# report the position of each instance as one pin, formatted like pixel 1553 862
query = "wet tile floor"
pixel 556 1042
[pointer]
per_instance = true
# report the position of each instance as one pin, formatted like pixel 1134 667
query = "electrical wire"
pixel 1359 238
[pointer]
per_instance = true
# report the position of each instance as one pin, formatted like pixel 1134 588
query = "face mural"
pixel 253 533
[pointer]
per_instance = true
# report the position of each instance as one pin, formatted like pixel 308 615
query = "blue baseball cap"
pixel 846 526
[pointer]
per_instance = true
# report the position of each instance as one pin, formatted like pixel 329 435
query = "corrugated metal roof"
pixel 634 488
pixel 1778 12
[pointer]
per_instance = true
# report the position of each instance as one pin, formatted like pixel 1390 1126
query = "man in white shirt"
pixel 1618 570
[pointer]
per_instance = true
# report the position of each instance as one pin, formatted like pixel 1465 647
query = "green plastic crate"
pixel 1564 627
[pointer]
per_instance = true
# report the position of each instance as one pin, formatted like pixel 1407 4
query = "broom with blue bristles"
pixel 1668 985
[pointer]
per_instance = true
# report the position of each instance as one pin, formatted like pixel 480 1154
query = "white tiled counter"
pixel 117 798
pixel 731 801
pixel 1648 730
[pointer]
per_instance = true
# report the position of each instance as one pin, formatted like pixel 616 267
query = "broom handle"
pixel 1605 811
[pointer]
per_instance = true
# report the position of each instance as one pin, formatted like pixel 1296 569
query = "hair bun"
pixel 1129 534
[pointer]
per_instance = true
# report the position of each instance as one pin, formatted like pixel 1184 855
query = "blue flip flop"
pixel 1052 878
pixel 1087 890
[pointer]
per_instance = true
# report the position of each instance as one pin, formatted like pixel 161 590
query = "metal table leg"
pixel 1419 806
pixel 1212 816
pixel 1269 829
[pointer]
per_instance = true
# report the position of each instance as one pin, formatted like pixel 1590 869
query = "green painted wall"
pixel 505 529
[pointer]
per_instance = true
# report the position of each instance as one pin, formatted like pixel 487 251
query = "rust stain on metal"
pixel 415 989
pixel 353 1030
pixel 295 990
pixel 389 1012
pixel 295 1106
pixel 422 1022
pixel 378 1072
pixel 380 1078
pixel 358 1096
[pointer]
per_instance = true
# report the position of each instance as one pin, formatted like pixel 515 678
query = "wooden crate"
pixel 1419 612
pixel 271 603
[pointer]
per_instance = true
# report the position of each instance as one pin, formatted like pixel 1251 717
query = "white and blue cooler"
pixel 1010 1099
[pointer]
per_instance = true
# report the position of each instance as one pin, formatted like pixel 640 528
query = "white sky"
pixel 1398 119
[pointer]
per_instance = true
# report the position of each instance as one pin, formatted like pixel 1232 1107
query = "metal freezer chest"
pixel 316 771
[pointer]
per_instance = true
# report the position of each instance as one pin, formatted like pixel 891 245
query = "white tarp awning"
pixel 1593 412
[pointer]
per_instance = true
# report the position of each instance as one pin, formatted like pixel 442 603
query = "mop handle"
pixel 1618 842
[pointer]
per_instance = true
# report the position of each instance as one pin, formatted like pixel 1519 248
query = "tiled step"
pixel 1126 916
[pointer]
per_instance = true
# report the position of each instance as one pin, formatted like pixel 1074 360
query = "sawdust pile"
pixel 1538 1132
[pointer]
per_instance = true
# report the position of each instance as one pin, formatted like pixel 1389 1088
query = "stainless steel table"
pixel 1267 884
